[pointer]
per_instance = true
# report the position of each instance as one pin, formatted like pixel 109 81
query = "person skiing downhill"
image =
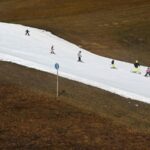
pixel 147 72
pixel 113 64
pixel 52 50
pixel 136 68
pixel 79 56
pixel 136 64
pixel 27 32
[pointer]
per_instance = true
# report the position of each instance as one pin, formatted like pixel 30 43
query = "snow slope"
pixel 34 51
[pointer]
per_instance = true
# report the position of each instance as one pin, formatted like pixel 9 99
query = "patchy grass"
pixel 82 117
pixel 112 28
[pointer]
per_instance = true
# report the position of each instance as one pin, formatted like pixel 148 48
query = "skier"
pixel 113 64
pixel 136 68
pixel 147 72
pixel 136 64
pixel 27 32
pixel 52 50
pixel 79 56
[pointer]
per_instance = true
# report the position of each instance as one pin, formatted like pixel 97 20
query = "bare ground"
pixel 81 118
pixel 112 28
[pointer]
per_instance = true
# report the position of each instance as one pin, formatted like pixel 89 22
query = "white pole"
pixel 57 85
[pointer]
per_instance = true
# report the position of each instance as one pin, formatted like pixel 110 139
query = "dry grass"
pixel 34 121
pixel 82 118
pixel 112 28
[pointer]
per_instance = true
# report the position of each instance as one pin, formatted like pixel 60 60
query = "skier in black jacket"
pixel 136 64
pixel 113 66
pixel 27 32
pixel 136 68
pixel 52 50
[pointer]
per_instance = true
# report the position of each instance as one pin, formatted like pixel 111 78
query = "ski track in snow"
pixel 34 51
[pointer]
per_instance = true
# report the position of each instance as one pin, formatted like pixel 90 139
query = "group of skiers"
pixel 136 68
pixel 27 32
pixel 79 53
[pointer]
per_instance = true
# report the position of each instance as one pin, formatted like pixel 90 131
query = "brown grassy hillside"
pixel 82 118
pixel 112 28
pixel 31 120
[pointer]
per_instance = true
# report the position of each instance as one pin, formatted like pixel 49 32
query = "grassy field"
pixel 83 117
pixel 111 28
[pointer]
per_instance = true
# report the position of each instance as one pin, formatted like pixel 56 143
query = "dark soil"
pixel 82 118
pixel 112 28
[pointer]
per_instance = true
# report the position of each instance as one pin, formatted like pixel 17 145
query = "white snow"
pixel 34 51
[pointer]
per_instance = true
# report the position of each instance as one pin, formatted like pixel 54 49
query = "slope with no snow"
pixel 34 51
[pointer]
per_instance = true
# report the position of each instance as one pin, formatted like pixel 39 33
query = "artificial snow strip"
pixel 35 50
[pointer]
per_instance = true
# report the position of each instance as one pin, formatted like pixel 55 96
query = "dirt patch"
pixel 35 121
pixel 120 29
pixel 82 118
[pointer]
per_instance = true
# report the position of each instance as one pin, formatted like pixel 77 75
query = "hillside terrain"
pixel 111 28
pixel 35 51
pixel 82 117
